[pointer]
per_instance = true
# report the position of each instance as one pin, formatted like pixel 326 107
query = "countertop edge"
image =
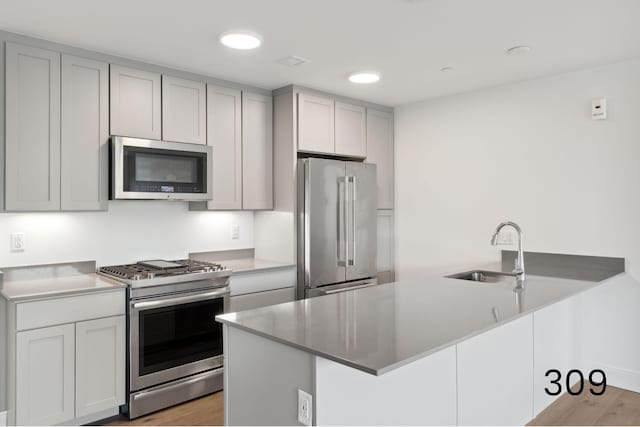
pixel 262 269
pixel 61 294
pixel 386 369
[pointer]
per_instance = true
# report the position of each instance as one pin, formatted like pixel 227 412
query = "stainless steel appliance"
pixel 174 345
pixel 160 170
pixel 337 226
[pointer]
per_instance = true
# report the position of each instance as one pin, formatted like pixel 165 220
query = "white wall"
pixel 129 231
pixel 527 152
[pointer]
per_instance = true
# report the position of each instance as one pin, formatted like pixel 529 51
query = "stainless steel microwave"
pixel 158 170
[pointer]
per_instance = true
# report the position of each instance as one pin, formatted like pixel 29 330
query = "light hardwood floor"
pixel 206 411
pixel 615 407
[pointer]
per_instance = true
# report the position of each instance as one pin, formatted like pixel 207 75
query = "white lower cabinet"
pixel 100 365
pixel 495 381
pixel 552 344
pixel 261 299
pixel 256 289
pixel 45 375
pixel 73 372
pixel 70 371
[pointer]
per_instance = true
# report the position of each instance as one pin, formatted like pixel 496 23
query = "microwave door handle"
pixel 166 302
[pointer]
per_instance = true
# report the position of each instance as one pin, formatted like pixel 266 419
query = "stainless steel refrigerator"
pixel 337 241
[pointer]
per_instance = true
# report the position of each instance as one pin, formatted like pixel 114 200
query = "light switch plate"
pixel 235 232
pixel 305 408
pixel 599 109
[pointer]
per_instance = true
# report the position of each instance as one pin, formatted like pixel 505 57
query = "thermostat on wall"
pixel 599 109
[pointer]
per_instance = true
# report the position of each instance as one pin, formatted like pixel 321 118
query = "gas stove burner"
pixel 146 270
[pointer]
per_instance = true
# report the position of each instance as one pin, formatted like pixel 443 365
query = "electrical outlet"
pixel 305 407
pixel 505 237
pixel 18 243
pixel 235 232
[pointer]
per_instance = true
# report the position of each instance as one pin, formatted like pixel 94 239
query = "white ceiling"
pixel 407 40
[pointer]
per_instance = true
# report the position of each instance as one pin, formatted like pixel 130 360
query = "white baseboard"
pixel 617 377
pixel 3 418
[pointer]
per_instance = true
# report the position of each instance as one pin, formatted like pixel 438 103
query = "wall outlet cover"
pixel 18 242
pixel 235 232
pixel 505 237
pixel 305 408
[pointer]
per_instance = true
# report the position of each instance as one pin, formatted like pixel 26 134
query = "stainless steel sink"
pixel 483 276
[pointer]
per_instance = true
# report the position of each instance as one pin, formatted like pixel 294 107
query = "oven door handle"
pixel 181 300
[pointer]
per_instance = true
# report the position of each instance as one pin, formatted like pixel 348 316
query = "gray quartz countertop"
pixel 384 327
pixel 248 265
pixel 54 280
pixel 240 261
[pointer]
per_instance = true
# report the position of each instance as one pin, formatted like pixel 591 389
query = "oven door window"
pixel 169 171
pixel 177 335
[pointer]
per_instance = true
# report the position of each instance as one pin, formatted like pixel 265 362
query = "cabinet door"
pixel 135 103
pixel 380 152
pixel 257 151
pixel 85 134
pixel 183 110
pixel 315 124
pixel 552 346
pixel 224 134
pixel 385 246
pixel 45 376
pixel 351 130
pixel 100 365
pixel 495 376
pixel 32 129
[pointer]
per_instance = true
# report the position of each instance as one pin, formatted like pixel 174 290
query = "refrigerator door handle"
pixel 342 222
pixel 352 251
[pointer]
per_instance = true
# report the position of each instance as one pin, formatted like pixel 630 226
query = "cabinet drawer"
pixel 261 299
pixel 38 314
pixel 246 283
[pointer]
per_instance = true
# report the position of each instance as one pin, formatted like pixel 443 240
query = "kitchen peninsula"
pixel 434 350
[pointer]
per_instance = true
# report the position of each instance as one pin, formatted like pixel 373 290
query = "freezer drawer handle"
pixel 335 291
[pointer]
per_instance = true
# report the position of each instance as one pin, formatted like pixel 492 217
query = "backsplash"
pixel 128 231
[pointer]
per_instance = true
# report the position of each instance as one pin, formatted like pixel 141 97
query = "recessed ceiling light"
pixel 364 77
pixel 243 40
pixel 518 50
pixel 446 69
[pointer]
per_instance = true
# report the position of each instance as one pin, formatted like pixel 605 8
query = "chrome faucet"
pixel 519 270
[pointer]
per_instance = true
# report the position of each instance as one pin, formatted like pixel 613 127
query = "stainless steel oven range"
pixel 174 344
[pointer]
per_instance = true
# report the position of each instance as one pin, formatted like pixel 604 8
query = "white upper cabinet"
pixel 224 134
pixel 257 151
pixel 32 129
pixel 380 152
pixel 85 134
pixel 183 110
pixel 315 124
pixel 351 130
pixel 135 103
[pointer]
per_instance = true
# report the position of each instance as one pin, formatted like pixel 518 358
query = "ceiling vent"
pixel 293 61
